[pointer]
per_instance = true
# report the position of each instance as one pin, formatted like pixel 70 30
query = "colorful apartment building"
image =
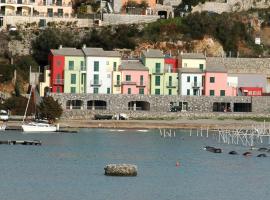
pixel 120 5
pixel 192 60
pixel 47 8
pixel 191 82
pixel 134 78
pixel 57 65
pixel 216 81
pixel 74 72
pixel 100 66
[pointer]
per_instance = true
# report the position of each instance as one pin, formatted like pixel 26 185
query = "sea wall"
pixel 147 106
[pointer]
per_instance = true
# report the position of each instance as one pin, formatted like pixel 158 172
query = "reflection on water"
pixel 70 167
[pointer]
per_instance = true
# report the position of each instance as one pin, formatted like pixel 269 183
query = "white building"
pixel 100 65
pixel 191 82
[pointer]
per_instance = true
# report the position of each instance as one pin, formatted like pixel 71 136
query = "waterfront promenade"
pixel 152 124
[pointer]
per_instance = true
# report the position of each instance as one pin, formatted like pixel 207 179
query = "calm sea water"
pixel 70 167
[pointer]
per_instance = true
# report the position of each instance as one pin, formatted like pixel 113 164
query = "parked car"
pixel 3 115
pixel 12 28
pixel 102 117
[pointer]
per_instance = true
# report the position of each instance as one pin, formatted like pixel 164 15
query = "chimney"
pixel 84 46
pixel 60 46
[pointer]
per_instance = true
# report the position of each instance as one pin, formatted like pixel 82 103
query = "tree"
pixel 50 109
pixel 51 38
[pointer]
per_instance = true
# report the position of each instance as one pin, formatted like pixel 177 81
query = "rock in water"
pixel 120 170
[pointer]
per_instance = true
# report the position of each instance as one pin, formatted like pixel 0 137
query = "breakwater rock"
pixel 121 170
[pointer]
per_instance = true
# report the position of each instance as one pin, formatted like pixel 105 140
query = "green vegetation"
pixel 17 105
pixel 6 72
pixel 51 38
pixel 49 109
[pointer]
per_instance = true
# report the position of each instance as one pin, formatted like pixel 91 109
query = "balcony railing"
pixel 171 84
pixel 157 72
pixel 96 107
pixel 117 83
pixel 95 82
pixel 196 84
pixel 141 84
pixel 58 81
pixel 128 83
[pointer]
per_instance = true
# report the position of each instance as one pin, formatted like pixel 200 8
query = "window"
pixel 58 63
pixel 58 90
pixel 58 78
pixel 73 89
pixel 222 92
pixel 195 79
pixel 157 67
pixel 71 65
pixel 73 78
pixel 96 66
pixel 212 79
pixel 95 90
pixel 141 91
pixel 170 91
pixel 157 91
pixel 212 92
pixel 185 64
pixel 201 67
pixel 170 81
pixel 108 90
pixel 96 79
pixel 60 12
pixel 141 80
pixel 128 78
pixel 118 79
pixel 82 66
pixel 129 90
pixel 114 66
pixel 188 79
pixel 157 80
pixel 188 91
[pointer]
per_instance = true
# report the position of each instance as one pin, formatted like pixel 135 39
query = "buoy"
pixel 177 164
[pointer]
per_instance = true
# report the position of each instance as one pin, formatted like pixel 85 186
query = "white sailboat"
pixel 36 126
pixel 3 127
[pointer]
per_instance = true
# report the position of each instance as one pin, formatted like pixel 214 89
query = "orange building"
pixel 151 3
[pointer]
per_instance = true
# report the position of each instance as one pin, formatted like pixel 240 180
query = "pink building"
pixel 135 78
pixel 215 83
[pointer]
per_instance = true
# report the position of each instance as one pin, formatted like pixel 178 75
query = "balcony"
pixel 171 84
pixel 117 83
pixel 58 81
pixel 128 83
pixel 196 84
pixel 157 72
pixel 96 83
pixel 141 84
pixel 83 68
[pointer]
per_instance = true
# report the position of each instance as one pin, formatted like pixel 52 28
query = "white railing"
pixel 95 82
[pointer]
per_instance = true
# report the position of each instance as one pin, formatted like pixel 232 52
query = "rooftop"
pixel 214 67
pixel 67 52
pixel 191 70
pixel 153 53
pixel 133 65
pixel 99 52
pixel 192 56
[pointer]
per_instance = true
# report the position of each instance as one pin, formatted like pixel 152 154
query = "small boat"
pixel 213 149
pixel 144 130
pixel 39 127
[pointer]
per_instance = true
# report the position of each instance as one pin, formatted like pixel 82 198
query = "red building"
pixel 57 65
pixel 171 64
pixel 251 91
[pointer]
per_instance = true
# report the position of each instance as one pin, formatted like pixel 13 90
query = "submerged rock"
pixel 262 155
pixel 262 149
pixel 233 153
pixel 121 170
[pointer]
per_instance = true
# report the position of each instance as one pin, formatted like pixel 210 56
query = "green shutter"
pixel 71 65
pixel 212 92
pixel 141 91
pixel 157 91
pixel 114 66
pixel 222 92
pixel 157 67
pixel 157 80
pixel 129 90
pixel 73 78
pixel 96 66
pixel 96 79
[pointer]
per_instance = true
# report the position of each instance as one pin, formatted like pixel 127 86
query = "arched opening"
pixel 96 105
pixel 74 104
pixel 162 14
pixel 221 107
pixel 139 105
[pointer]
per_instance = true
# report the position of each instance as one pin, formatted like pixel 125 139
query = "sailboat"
pixel 37 126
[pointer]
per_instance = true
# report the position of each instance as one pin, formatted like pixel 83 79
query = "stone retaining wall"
pixel 110 19
pixel 160 105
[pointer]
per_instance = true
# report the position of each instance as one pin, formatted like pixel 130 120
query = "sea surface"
pixel 71 167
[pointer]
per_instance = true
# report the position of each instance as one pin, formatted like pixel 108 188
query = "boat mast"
pixel 28 99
